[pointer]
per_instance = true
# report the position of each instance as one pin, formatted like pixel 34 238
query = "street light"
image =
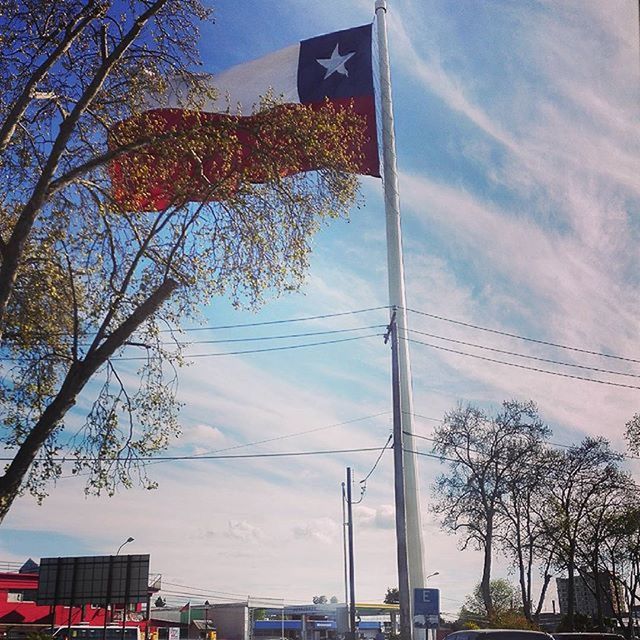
pixel 206 620
pixel 127 541
pixel 108 605
pixel 435 573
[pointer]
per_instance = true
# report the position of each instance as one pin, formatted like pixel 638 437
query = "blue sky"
pixel 518 146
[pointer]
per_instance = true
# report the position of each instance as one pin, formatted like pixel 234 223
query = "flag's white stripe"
pixel 240 88
pixel 245 83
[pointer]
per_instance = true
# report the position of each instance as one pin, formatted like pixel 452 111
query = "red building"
pixel 20 615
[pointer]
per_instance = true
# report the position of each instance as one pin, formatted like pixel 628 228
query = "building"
pixel 253 619
pixel 20 615
pixel 326 621
pixel 261 620
pixel 585 599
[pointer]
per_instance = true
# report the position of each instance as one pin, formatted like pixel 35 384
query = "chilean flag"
pixel 335 67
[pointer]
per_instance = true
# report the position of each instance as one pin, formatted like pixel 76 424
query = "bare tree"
pixel 485 455
pixel 620 557
pixel 581 478
pixel 521 532
pixel 84 273
pixel 598 526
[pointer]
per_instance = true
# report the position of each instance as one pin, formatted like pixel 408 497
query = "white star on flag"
pixel 335 63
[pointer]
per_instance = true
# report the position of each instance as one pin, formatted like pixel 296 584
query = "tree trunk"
pixel 571 589
pixel 599 591
pixel 525 583
pixel 77 377
pixel 485 584
pixel 543 593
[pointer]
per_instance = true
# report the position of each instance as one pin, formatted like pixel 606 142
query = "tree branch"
pixel 77 377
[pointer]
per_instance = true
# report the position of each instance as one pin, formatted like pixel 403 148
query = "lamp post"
pixel 124 606
pixel 206 620
pixel 127 541
pixel 431 632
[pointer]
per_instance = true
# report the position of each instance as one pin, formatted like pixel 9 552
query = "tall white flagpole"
pixel 397 299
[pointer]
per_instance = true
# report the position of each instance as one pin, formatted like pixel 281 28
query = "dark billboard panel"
pixel 93 580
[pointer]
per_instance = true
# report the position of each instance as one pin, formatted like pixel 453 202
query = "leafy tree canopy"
pixel 507 607
pixel 392 596
pixel 85 275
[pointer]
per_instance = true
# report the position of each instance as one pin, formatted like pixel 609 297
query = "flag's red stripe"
pixel 159 192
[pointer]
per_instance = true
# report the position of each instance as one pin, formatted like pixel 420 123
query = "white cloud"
pixel 381 517
pixel 323 530
pixel 203 438
pixel 244 531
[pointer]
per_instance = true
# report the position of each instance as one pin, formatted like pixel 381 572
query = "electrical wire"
pixel 520 337
pixel 430 455
pixel 626 456
pixel 523 366
pixel 284 321
pixel 363 483
pixel 248 351
pixel 205 595
pixel 198 590
pixel 444 458
pixel 377 461
pixel 204 592
pixel 284 454
pixel 523 355
pixel 264 323
pixel 288 435
pixel 282 336
pixel 158 460
pixel 554 444
pixel 417 415
pixel 626 487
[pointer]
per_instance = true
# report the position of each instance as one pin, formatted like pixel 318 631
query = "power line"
pixel 203 590
pixel 254 338
pixel 417 415
pixel 243 325
pixel 634 488
pixel 160 460
pixel 247 351
pixel 522 366
pixel 289 435
pixel 429 455
pixel 189 591
pixel 363 483
pixel 520 337
pixel 554 444
pixel 282 336
pixel 283 454
pixel 523 355
pixel 284 321
pixel 626 456
pixel 377 461
pixel 205 595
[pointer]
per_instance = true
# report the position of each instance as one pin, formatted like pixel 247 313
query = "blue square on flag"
pixel 336 65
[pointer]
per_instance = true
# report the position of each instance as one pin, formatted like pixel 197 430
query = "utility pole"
pixel 352 580
pixel 344 545
pixel 404 592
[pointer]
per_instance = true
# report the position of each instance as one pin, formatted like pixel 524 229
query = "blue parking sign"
pixel 426 608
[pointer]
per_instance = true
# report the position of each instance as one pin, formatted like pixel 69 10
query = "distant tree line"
pixel 548 508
